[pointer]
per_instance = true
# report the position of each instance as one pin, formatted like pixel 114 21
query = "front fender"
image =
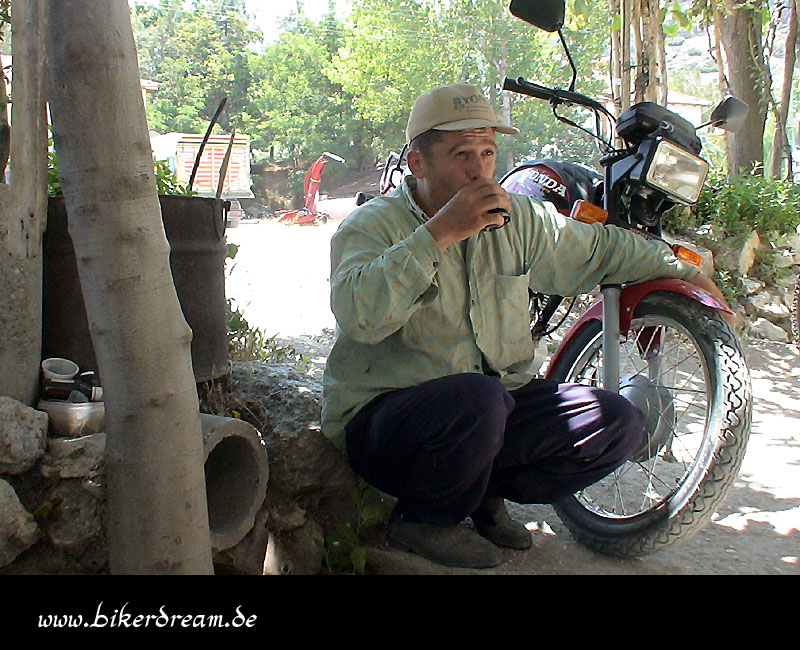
pixel 629 299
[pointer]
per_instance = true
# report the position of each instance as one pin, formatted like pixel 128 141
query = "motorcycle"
pixel 663 344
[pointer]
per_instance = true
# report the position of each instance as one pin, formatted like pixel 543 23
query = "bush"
pixel 734 207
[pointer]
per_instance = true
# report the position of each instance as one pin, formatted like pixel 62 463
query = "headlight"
pixel 677 172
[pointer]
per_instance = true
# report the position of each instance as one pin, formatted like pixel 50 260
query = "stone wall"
pixel 52 495
pixel 763 309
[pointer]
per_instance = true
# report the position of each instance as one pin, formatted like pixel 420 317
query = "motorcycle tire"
pixel 683 366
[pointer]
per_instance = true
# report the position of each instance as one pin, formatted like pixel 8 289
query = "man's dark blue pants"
pixel 442 446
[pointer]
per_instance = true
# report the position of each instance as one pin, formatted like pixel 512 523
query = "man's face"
pixel 456 159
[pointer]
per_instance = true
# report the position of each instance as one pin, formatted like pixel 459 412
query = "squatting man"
pixel 429 387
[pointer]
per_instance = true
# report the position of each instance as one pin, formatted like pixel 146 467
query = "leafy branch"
pixel 345 549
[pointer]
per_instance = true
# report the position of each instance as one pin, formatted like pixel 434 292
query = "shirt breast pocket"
pixel 509 312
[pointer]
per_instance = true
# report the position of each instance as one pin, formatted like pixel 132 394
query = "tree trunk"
pixel 661 53
pixel 716 53
pixel 740 30
pixel 625 53
pixel 781 147
pixel 653 55
pixel 638 20
pixel 641 77
pixel 615 60
pixel 158 519
pixel 501 65
pixel 23 205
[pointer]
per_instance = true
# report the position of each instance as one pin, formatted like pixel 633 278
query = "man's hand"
pixel 707 284
pixel 469 211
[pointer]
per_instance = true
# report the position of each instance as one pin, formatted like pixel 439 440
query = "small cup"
pixel 59 369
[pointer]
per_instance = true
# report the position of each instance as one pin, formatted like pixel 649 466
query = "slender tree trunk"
pixel 158 519
pixel 661 54
pixel 653 52
pixel 625 53
pixel 639 22
pixel 781 148
pixel 717 53
pixel 501 65
pixel 615 61
pixel 740 31
pixel 23 204
pixel 650 77
pixel 641 77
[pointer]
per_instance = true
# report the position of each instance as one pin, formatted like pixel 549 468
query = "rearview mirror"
pixel 544 14
pixel 729 114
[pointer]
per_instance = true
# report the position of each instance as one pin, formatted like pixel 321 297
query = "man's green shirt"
pixel 406 312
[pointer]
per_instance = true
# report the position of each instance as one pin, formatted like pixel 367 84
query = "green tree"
pixel 296 110
pixel 539 56
pixel 394 51
pixel 198 56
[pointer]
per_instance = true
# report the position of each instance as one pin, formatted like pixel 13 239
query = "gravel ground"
pixel 280 280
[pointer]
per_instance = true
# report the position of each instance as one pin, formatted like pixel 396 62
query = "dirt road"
pixel 280 280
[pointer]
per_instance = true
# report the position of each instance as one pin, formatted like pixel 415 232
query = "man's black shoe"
pixel 455 546
pixel 492 521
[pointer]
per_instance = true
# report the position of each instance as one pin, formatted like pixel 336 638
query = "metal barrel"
pixel 195 229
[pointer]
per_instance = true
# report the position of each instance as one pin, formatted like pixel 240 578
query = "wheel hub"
pixel 656 404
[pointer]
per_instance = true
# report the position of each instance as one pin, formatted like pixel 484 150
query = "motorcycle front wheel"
pixel 681 364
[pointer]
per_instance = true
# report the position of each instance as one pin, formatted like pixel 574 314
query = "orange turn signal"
pixel 687 255
pixel 588 212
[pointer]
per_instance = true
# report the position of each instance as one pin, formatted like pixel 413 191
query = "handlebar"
pixel 553 95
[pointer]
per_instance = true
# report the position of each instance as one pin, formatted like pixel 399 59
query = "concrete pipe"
pixel 237 472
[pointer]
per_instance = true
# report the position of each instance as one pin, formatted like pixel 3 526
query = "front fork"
pixel 611 343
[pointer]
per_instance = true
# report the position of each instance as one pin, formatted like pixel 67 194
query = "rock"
pixel 747 255
pixel 74 505
pixel 740 260
pixel 740 317
pixel 18 529
pixel 303 462
pixel 785 287
pixel 285 540
pixel 292 398
pixel 73 457
pixel 783 259
pixel 767 304
pixel 74 516
pixel 23 436
pixel 764 329
pixel 751 285
pixel 297 551
pixel 793 240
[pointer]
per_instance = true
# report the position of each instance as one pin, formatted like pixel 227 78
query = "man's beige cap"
pixel 456 107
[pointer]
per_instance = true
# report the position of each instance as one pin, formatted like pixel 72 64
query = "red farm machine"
pixel 309 214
